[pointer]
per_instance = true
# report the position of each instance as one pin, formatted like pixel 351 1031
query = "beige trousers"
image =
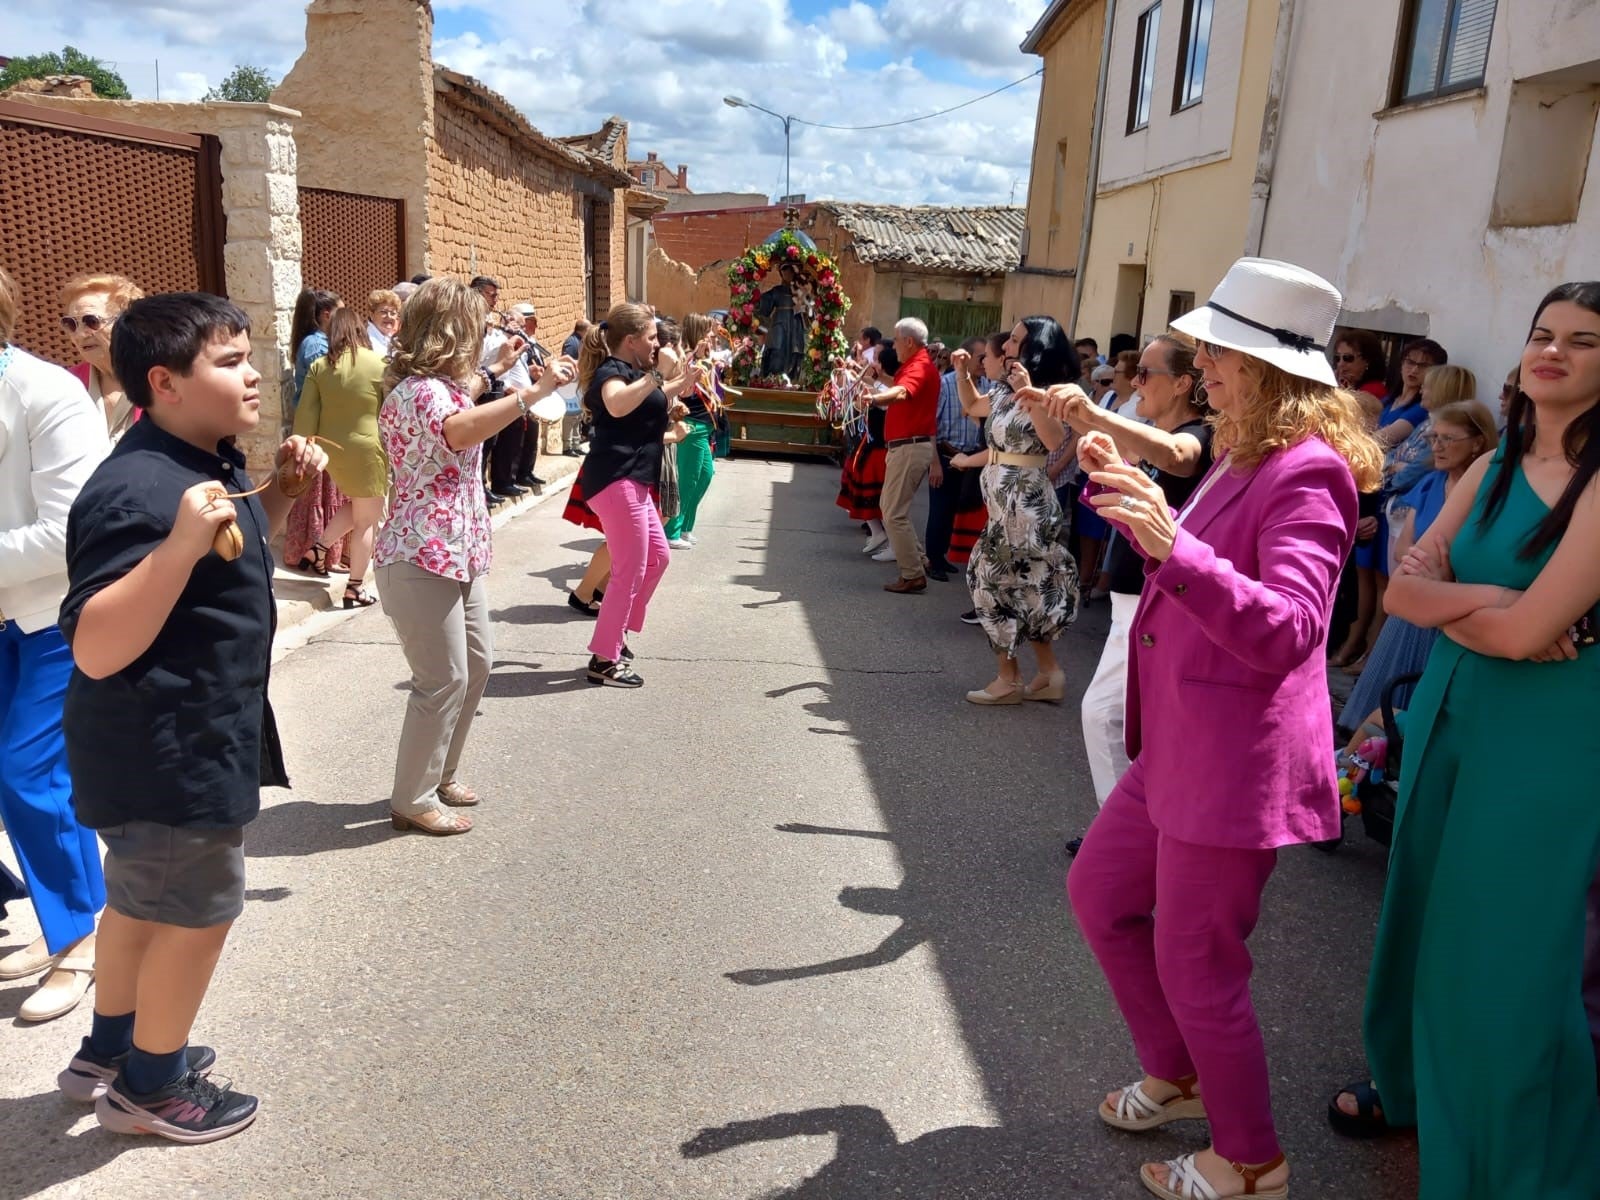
pixel 444 631
pixel 905 470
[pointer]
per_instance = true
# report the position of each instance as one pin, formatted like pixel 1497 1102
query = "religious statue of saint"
pixel 786 312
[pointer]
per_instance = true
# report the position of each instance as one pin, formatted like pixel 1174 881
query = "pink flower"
pixel 433 555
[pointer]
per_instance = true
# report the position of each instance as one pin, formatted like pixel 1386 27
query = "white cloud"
pixel 982 33
pixel 857 24
pixel 664 66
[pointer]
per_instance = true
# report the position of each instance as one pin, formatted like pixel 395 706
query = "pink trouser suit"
pixel 1227 731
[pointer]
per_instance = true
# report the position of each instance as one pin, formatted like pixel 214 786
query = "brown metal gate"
pixel 84 195
pixel 351 244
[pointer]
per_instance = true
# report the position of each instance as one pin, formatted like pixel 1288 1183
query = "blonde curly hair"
pixel 440 335
pixel 1284 410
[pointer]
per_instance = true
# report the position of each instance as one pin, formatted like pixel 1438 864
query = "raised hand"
pixel 1135 502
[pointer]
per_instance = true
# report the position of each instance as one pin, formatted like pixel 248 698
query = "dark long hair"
pixel 1048 353
pixel 308 310
pixel 1580 442
pixel 1365 343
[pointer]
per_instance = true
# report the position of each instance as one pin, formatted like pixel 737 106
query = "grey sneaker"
pixel 88 1075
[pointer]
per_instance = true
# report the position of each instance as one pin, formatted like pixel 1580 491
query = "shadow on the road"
pixel 875 901
pixel 962 1162
pixel 303 827
pixel 977 804
pixel 268 895
pixel 515 680
pixel 557 612
pixel 41 1155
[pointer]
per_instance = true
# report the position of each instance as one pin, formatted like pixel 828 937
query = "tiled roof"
pixel 987 240
pixel 602 143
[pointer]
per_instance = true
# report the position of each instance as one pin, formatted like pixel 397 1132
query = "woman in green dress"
pixel 1475 1027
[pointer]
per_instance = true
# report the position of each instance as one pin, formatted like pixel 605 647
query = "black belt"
pixel 911 441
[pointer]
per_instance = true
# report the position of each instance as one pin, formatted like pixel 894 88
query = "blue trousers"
pixel 60 859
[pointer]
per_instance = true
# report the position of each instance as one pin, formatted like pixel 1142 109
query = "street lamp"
pixel 741 102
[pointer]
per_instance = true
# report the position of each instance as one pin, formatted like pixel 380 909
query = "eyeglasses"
pixel 1345 358
pixel 1444 439
pixel 1214 349
pixel 89 321
pixel 1421 364
pixel 1144 373
pixel 386 312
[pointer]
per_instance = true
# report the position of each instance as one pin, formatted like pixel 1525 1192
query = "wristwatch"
pixel 661 380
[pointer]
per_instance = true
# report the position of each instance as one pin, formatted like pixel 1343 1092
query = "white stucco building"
pixel 1436 161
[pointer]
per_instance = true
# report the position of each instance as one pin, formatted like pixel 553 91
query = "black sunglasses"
pixel 89 321
pixel 1345 358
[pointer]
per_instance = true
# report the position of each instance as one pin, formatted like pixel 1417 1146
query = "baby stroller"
pixel 1370 780
pixel 1380 791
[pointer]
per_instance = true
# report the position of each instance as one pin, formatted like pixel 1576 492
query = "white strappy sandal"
pixel 1184 1181
pixel 1135 1112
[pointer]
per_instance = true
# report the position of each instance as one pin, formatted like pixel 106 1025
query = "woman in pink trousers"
pixel 1227 718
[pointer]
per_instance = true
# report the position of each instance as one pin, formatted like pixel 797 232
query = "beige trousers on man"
pixel 444 631
pixel 905 470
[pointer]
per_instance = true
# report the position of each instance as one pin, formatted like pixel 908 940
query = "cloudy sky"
pixel 664 65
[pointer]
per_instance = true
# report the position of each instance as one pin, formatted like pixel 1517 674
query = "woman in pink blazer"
pixel 1227 718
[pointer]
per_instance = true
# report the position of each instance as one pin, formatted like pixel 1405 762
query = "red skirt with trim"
pixel 861 483
pixel 971 516
pixel 579 513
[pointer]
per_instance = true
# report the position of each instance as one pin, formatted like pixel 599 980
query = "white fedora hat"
pixel 1274 311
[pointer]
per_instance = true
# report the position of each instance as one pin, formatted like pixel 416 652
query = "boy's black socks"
pixel 111 1036
pixel 146 1072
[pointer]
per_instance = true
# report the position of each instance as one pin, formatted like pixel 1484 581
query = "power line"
pixel 925 116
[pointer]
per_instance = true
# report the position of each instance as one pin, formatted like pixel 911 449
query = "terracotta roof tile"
pixel 980 239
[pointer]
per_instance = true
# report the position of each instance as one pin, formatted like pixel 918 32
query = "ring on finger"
pixel 1129 503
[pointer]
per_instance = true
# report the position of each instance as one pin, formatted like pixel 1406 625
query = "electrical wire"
pixel 925 116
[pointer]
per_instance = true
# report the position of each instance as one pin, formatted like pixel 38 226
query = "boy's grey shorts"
pixel 174 875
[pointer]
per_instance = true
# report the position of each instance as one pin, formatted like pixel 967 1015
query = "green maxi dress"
pixel 1475 1026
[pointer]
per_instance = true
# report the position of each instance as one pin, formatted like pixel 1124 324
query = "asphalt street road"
pixel 787 922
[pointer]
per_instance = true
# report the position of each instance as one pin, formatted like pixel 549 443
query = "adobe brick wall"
pixel 496 209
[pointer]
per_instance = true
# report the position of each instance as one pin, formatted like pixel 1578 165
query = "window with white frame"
pixel 1194 45
pixel 1445 47
pixel 1144 68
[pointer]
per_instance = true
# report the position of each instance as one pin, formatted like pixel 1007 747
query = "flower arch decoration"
pixel 826 339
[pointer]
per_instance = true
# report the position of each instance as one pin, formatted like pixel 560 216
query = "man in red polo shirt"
pixel 909 427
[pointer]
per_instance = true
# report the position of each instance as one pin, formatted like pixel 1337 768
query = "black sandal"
pixel 318 560
pixel 1368 1122
pixel 356 596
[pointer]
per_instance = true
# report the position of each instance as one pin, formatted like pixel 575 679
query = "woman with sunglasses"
pixel 91 305
pixel 1225 667
pixel 1170 440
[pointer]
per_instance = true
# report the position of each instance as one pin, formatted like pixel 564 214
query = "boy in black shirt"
pixel 169 734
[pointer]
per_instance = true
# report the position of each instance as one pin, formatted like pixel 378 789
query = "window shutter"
pixel 1469 43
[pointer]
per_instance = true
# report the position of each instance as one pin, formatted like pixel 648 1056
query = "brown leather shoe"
pixel 907 587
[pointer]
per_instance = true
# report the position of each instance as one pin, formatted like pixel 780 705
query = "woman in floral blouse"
pixel 434 550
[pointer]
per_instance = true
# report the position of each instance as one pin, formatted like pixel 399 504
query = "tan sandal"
pixel 1184 1181
pixel 58 996
pixel 456 795
pixel 435 822
pixel 1135 1112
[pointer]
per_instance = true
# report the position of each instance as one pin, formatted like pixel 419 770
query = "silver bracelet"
pixel 522 405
